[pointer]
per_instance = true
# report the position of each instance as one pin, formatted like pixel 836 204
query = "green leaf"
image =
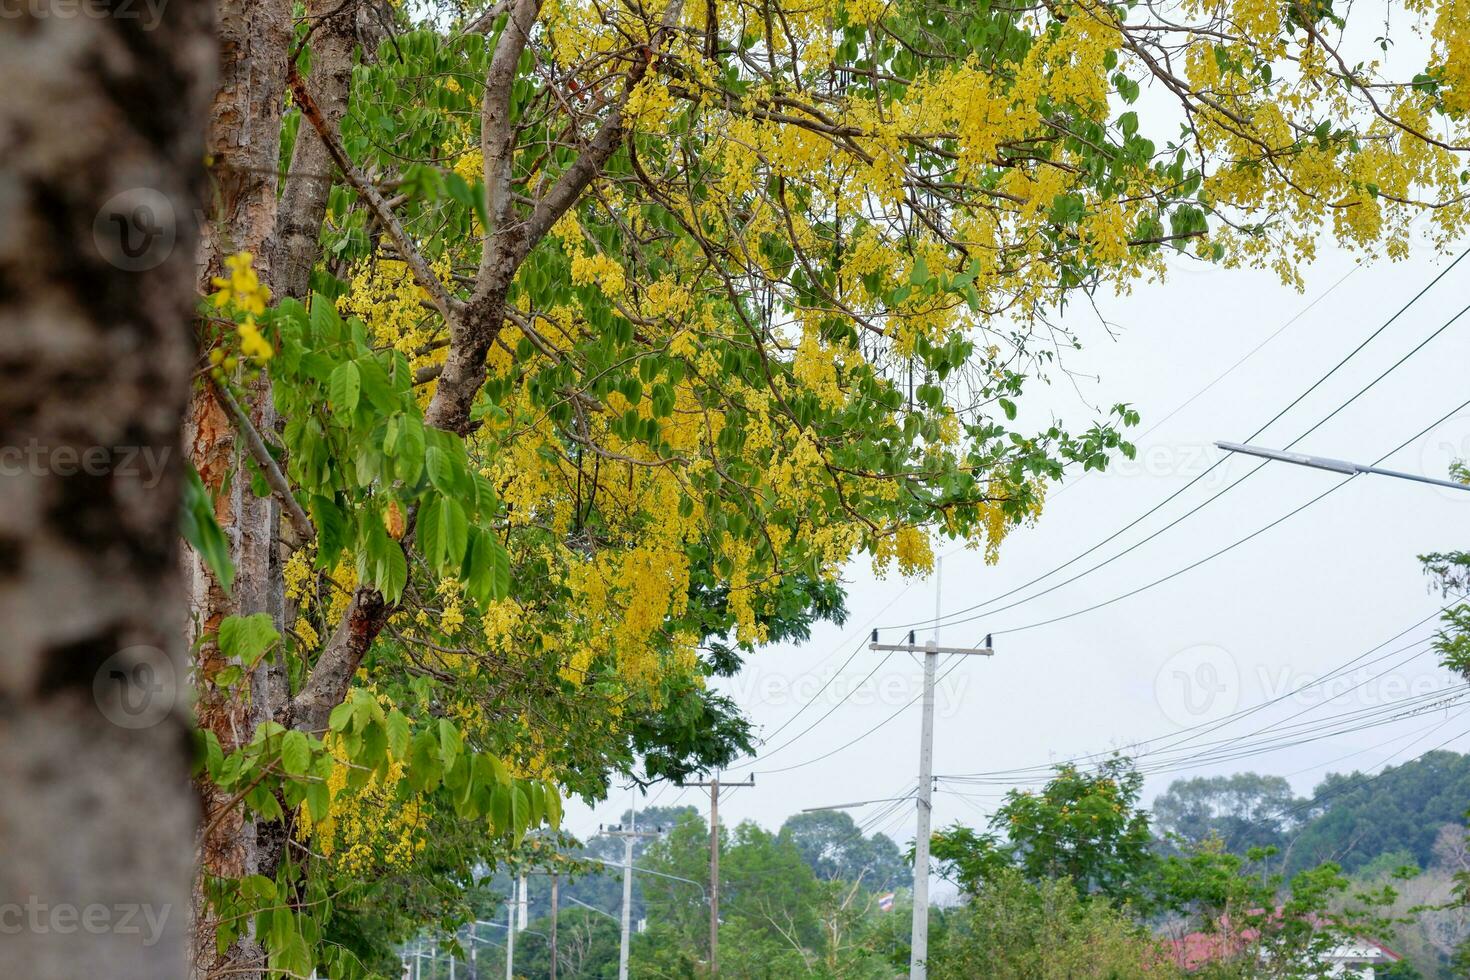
pixel 500 580
pixel 341 717
pixel 258 888
pixel 500 809
pixel 344 387
pixel 393 573
pixel 424 767
pixel 319 800
pixel 245 638
pixel 331 527
pixel 295 753
pixel 520 812
pixel 430 530
pixel 398 734
pixel 376 385
pixel 449 742
pixel 456 529
pixel 1068 209
pixel 202 531
pixel 409 450
pixel 214 756
pixel 441 469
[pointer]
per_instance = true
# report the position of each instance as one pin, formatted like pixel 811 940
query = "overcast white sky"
pixel 1268 617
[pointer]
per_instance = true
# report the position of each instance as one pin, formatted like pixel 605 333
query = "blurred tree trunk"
pixel 100 133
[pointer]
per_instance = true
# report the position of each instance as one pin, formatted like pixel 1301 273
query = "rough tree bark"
pixel 303 206
pixel 283 234
pixel 100 133
pixel 243 153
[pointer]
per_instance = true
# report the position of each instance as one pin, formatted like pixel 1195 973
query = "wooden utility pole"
pixel 713 786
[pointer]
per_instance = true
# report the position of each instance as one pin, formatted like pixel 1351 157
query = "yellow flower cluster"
pixel 243 292
pixel 369 831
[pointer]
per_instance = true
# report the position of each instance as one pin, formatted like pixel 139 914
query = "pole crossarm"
pixel 931 648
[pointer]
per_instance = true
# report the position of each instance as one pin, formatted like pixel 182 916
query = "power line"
pixel 840 702
pixel 1212 725
pixel 1319 798
pixel 1209 500
pixel 1283 737
pixel 1337 791
pixel 943 621
pixel 813 699
pixel 854 741
pixel 1171 497
pixel 1230 547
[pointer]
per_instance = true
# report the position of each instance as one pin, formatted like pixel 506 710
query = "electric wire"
pixel 1171 497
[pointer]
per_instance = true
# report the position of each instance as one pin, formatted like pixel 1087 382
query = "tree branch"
pixel 274 478
pixel 407 250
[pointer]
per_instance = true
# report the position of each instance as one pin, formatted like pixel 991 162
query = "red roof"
pixel 1196 949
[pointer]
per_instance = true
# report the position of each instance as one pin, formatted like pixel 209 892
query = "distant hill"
pixel 1351 819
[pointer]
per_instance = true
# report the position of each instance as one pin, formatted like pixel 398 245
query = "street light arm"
pixel 650 871
pixel 591 908
pixel 1335 465
pixel 1300 459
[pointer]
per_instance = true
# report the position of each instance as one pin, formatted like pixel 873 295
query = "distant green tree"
pixel 1356 818
pixel 1270 926
pixel 586 947
pixel 833 846
pixel 1085 827
pixel 1244 810
pixel 1021 929
pixel 777 918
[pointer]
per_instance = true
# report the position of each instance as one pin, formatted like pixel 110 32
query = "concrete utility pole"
pixel 919 956
pixel 523 906
pixel 714 865
pixel 629 836
pixel 555 880
pixel 510 931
